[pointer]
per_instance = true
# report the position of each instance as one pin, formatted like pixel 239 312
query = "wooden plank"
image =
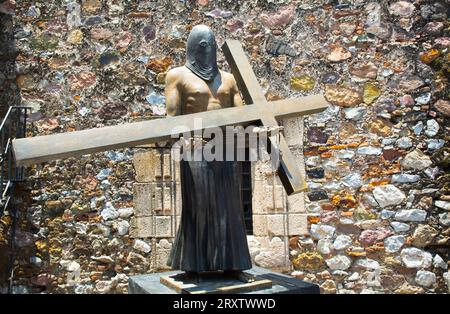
pixel 176 285
pixel 72 144
pixel 252 93
pixel 206 287
pixel 238 288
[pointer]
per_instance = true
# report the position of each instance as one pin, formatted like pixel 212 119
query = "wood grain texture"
pixel 39 149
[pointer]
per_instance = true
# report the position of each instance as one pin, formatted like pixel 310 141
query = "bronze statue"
pixel 212 235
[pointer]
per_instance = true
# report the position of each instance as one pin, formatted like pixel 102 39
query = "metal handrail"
pixel 14 125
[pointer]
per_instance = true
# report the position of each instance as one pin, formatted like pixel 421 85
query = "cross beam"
pixel 32 150
pixel 39 149
pixel 288 171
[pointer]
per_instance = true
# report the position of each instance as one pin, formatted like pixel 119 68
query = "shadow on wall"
pixel 9 90
pixel 9 96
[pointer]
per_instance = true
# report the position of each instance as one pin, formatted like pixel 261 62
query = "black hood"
pixel 201 52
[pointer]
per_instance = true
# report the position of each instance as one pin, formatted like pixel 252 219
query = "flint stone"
pixel 415 258
pixel 416 215
pixel 322 231
pixel 400 226
pixel 324 246
pixel 447 280
pixel 353 180
pixel 367 263
pixel 342 242
pixel 402 9
pixel 354 113
pixel 369 150
pixel 404 142
pixel 405 178
pixel 339 262
pixel 432 128
pixel 416 160
pixel 434 144
pixel 438 262
pixel 425 278
pixel 141 246
pixel 123 227
pixel 109 212
pixel 394 243
pixel 442 204
pixel 125 212
pixel 388 195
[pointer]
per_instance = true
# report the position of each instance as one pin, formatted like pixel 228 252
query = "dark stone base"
pixel 150 284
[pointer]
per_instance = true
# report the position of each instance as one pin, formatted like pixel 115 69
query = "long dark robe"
pixel 212 233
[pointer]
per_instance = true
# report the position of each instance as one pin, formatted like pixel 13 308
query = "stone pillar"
pixel 157 201
pixel 277 216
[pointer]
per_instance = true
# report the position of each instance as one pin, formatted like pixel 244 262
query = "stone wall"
pixel 376 216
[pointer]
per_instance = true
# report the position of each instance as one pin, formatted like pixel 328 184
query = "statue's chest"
pixel 202 89
pixel 201 96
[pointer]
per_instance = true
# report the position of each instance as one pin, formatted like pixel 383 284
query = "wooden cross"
pixel 39 149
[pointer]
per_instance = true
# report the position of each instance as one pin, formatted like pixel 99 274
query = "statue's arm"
pixel 172 93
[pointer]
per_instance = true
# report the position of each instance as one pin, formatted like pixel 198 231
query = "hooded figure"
pixel 201 51
pixel 211 234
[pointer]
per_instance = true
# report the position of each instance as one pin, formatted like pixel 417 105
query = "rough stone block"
pixel 145 164
pixel 141 227
pixel 297 224
pixel 163 198
pixel 161 260
pixel 260 225
pixel 296 203
pixel 142 199
pixel 261 199
pixel 154 165
pixel 293 130
pixel 279 197
pixel 287 224
pixel 163 227
pixel 177 198
pixel 167 166
pixel 276 225
pixel 273 255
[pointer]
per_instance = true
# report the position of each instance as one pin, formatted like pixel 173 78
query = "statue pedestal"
pixel 267 282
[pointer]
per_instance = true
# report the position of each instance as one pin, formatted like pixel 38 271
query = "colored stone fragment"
pixel 82 80
pixel 339 54
pixel 344 201
pixel 308 261
pixel 281 18
pixel 429 56
pixel 159 65
pixel 44 42
pixel 75 37
pixel 381 127
pixel 342 96
pixel 303 83
pixel 371 92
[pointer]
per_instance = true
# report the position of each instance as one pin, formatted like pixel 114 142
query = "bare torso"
pixel 187 93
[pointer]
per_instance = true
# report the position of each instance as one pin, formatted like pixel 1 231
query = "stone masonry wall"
pixel 376 216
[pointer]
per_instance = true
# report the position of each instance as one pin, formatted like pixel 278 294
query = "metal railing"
pixel 14 125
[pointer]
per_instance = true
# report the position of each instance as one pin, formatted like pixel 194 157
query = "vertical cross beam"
pixel 252 93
